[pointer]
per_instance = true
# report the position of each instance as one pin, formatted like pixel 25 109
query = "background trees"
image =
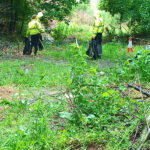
pixel 14 13
pixel 135 12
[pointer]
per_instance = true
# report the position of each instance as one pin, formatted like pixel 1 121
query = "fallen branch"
pixel 139 89
pixel 139 97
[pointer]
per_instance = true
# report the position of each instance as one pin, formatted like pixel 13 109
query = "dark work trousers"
pixel 95 47
pixel 26 49
pixel 40 43
pixel 98 40
pixel 35 43
pixel 92 50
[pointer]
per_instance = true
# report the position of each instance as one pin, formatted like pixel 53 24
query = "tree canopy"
pixel 14 12
pixel 135 12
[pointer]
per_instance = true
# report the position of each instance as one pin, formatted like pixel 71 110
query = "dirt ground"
pixel 6 92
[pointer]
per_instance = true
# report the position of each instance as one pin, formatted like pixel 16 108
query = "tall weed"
pixel 137 66
pixel 95 105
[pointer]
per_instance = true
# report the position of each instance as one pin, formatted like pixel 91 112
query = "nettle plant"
pixel 91 98
pixel 97 106
pixel 142 65
pixel 139 65
pixel 85 87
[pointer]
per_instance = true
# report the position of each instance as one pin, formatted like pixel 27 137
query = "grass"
pixel 117 52
pixel 59 52
pixel 112 51
pixel 29 124
pixel 32 73
pixel 32 120
pixel 25 124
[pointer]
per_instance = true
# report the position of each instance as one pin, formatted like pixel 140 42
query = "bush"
pixel 139 65
pixel 60 32
pixel 96 106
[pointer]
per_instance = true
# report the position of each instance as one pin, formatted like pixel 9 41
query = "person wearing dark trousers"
pixel 96 43
pixel 35 29
pixel 35 40
pixel 98 28
pixel 98 40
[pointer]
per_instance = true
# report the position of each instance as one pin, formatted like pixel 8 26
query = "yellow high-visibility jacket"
pixel 35 27
pixel 98 26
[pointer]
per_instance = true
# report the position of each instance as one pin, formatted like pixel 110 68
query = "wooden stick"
pixel 139 89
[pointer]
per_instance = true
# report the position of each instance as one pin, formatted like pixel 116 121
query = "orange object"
pixel 130 49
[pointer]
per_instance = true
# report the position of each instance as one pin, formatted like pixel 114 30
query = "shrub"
pixel 60 32
pixel 139 65
pixel 96 106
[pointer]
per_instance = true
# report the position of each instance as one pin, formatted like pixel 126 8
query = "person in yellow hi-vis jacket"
pixel 35 29
pixel 95 46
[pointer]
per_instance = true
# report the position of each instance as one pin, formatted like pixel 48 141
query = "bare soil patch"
pixel 6 92
pixel 93 147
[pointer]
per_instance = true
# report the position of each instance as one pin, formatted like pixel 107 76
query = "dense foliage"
pixel 135 12
pixel 14 12
pixel 61 99
pixel 93 107
pixel 97 106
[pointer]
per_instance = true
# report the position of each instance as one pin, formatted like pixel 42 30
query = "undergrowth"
pixel 95 105
pixel 89 112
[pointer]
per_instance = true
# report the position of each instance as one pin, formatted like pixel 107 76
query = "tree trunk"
pixel 11 17
pixel 22 24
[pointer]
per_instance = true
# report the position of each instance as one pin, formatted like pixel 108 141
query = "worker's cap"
pixel 40 14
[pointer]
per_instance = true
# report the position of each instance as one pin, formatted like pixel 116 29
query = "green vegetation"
pixel 98 106
pixel 15 14
pixel 62 99
pixel 95 114
pixel 32 73
pixel 135 13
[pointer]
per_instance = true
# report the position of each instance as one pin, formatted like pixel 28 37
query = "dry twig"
pixel 139 89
